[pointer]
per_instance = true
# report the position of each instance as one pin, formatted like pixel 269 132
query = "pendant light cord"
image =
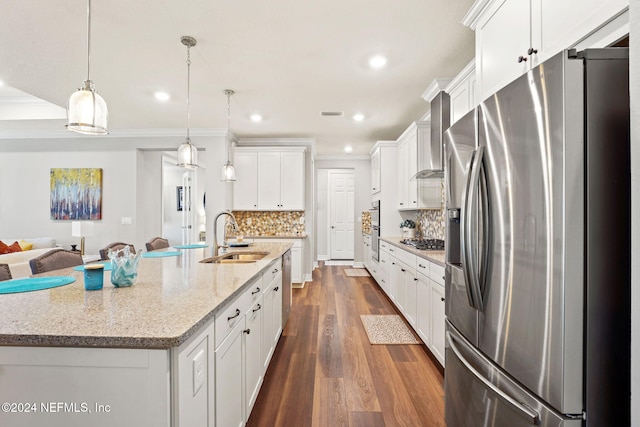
pixel 228 127
pixel 188 91
pixel 88 38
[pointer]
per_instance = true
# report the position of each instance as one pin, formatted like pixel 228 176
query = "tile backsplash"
pixel 366 222
pixel 430 223
pixel 253 223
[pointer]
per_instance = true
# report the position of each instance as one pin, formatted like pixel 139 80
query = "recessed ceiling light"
pixel 377 61
pixel 256 118
pixel 348 149
pixel 358 117
pixel 162 96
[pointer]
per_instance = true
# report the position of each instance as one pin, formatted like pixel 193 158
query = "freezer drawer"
pixel 478 394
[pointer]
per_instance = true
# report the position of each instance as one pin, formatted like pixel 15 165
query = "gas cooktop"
pixel 425 244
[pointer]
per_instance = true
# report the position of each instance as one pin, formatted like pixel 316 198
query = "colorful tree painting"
pixel 76 194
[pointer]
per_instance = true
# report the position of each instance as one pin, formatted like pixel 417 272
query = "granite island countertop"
pixel 170 300
pixel 283 236
pixel 433 256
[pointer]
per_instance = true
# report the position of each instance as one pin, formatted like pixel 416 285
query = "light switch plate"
pixel 199 371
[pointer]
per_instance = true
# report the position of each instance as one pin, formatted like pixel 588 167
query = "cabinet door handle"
pixel 256 291
pixel 532 51
pixel 256 309
pixel 401 204
pixel 421 266
pixel 235 315
pixel 247 331
pixel 521 59
pixel 255 206
pixel 442 299
pixel 393 263
pixel 403 270
pixel 415 279
pixel 275 271
pixel 276 288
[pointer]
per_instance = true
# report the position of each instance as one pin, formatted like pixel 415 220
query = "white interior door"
pixel 342 214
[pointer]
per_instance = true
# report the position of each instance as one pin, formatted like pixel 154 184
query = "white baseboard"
pixel 316 265
pixel 297 285
pixel 339 262
pixel 323 257
pixel 358 264
pixel 308 278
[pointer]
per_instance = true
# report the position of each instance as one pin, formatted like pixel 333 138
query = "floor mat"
pixel 356 272
pixel 387 329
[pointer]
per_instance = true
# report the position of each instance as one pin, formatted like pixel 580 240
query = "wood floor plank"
pixel 325 372
pixel 366 419
pixel 359 386
pixel 329 354
pixel 329 403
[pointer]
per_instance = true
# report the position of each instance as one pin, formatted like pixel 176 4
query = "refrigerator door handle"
pixel 464 241
pixel 470 230
pixel 530 414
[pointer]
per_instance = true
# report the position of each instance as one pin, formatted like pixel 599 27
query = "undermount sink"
pixel 236 258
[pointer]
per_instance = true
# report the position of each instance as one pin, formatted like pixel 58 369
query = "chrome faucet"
pixel 224 237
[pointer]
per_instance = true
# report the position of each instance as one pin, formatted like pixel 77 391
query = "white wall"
pixel 322 214
pixel 25 196
pixel 634 73
pixel 362 169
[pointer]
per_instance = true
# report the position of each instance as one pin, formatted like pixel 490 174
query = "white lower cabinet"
pixel 254 369
pixel 419 295
pixel 229 401
pixel 436 304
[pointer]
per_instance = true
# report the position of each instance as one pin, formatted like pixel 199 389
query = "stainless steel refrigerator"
pixel 538 249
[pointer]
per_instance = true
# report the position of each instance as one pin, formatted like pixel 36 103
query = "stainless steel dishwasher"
pixel 286 287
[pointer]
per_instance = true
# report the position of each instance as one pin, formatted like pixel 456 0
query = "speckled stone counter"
pixel 171 299
pixel 433 256
pixel 277 236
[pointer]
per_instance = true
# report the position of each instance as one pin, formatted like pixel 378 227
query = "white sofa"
pixel 19 261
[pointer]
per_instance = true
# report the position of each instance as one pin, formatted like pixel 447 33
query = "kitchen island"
pixel 145 355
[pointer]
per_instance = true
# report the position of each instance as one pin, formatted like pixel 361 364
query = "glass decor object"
pixel 187 152
pixel 87 111
pixel 228 171
pixel 124 266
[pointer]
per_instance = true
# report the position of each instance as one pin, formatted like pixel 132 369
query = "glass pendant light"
pixel 187 152
pixel 86 110
pixel 228 171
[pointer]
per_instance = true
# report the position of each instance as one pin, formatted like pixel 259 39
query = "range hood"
pixel 431 162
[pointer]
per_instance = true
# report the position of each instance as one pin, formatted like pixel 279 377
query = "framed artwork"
pixel 76 194
pixel 180 198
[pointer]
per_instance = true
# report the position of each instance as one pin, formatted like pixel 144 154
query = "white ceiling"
pixel 286 59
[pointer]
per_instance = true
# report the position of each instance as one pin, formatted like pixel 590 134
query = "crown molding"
pixel 124 133
pixel 469 69
pixel 251 142
pixel 436 86
pixel 341 157
pixel 474 14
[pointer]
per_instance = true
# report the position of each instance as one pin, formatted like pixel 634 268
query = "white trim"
pixel 382 144
pixel 124 133
pixel 436 86
pixel 315 265
pixel 614 30
pixel 339 262
pixel 412 127
pixel 426 117
pixel 342 157
pixel 358 264
pixel 269 148
pixel 322 258
pixel 469 69
pixel 474 14
pixel 252 142
pixel 307 278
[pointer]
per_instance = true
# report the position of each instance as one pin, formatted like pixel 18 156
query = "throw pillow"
pixel 26 246
pixel 15 247
pixel 4 249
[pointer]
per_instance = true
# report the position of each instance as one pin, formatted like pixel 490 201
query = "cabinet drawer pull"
pixel 256 309
pixel 403 270
pixel 235 315
pixel 256 291
pixel 275 271
pixel 276 288
pixel 531 51
pixel 415 279
pixel 442 299
pixel 247 331
pixel 421 266
pixel 521 59
pixel 393 263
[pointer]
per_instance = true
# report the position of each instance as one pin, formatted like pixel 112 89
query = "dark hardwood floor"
pixel 325 372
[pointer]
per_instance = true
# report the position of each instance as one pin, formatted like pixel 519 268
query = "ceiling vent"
pixel 332 113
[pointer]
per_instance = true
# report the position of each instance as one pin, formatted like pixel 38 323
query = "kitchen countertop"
pixel 433 256
pixel 170 300
pixel 276 236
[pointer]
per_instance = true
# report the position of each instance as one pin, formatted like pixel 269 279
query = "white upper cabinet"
pixel 412 152
pixel 462 92
pixel 245 189
pixel 269 180
pixel 512 36
pixel 375 172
